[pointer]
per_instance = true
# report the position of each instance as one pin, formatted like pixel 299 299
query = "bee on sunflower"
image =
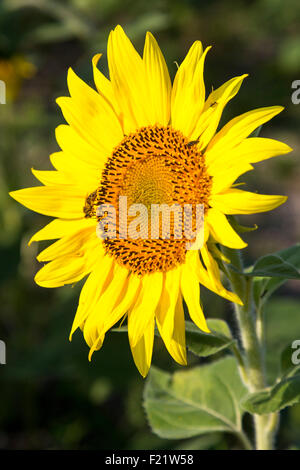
pixel 141 137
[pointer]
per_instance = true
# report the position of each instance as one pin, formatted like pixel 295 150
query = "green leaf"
pixel 205 344
pixel 266 285
pixel 271 266
pixel 283 394
pixel 274 266
pixel 196 401
pixel 290 359
pixel 263 288
pixel 200 343
pixel 282 321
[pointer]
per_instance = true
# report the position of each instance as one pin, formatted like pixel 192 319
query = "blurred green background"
pixel 51 397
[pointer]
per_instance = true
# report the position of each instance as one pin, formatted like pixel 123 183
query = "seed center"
pixel 148 181
pixel 155 165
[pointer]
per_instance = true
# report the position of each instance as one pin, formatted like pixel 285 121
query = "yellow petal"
pixel 104 85
pixel 59 228
pixel 168 317
pixel 238 129
pixel 213 109
pixel 143 311
pixel 184 77
pixel 222 231
pixel 111 296
pixel 75 244
pixel 225 176
pixel 66 202
pixel 214 277
pixel 188 102
pixel 124 303
pixel 158 79
pixel 128 77
pixel 177 347
pixel 191 292
pixel 94 114
pixel 50 178
pixel 236 201
pixel 74 171
pixel 251 150
pixel 75 145
pixel 92 290
pixel 84 124
pixel 123 297
pixel 210 277
pixel 217 253
pixel 64 270
pixel 142 350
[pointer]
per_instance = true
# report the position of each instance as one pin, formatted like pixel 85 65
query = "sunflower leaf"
pixel 197 401
pixel 286 266
pixel 275 266
pixel 205 344
pixel 284 393
pixel 290 359
pixel 271 271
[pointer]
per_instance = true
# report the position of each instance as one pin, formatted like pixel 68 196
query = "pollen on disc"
pixel 154 166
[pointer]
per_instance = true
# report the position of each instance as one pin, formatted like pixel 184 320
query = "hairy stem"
pixel 253 347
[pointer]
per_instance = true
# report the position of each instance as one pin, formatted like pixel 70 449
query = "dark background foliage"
pixel 51 397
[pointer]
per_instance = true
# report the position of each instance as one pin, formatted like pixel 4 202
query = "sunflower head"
pixel 140 146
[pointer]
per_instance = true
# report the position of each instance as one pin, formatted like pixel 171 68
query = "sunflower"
pixel 142 137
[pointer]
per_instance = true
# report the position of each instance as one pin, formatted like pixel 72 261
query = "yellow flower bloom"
pixel 140 136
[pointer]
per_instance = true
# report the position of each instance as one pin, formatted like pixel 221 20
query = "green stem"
pixel 260 324
pixel 252 347
pixel 261 330
pixel 241 364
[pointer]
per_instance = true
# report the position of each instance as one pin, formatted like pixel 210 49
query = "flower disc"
pixel 154 166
